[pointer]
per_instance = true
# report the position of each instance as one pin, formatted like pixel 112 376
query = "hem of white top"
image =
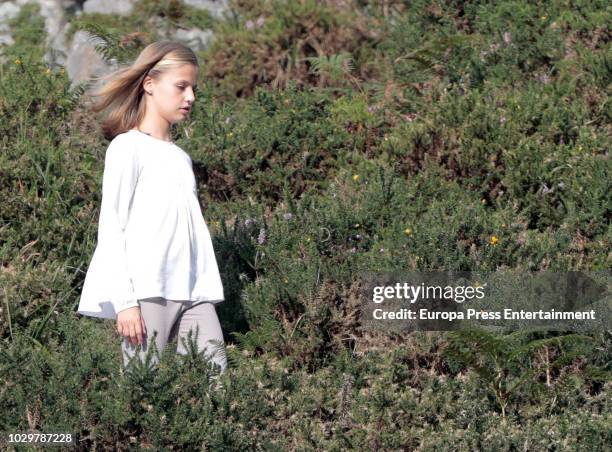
pixel 106 309
pixel 170 297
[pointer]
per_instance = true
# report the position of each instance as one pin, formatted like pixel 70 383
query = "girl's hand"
pixel 130 324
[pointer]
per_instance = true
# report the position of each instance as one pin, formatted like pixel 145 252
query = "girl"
pixel 154 268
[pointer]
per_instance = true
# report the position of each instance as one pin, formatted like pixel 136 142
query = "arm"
pixel 121 169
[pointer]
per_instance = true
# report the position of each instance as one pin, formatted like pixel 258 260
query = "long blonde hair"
pixel 121 91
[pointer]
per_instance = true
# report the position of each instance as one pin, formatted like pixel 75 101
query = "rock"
pixel 123 8
pixel 79 57
pixel 216 8
pixel 5 35
pixel 195 38
pixel 56 20
pixel 83 61
pixel 8 11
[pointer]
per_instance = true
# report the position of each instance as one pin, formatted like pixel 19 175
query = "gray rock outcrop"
pixel 79 56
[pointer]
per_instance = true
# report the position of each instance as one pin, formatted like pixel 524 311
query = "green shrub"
pixel 329 141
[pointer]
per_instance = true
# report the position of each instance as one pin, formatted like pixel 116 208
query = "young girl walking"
pixel 154 268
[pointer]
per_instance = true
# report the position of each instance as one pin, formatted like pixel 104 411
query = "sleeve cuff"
pixel 126 305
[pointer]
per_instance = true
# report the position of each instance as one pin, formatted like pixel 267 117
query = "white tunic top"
pixel 152 238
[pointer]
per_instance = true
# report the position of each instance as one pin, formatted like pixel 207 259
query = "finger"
pixel 139 332
pixel 126 335
pixel 133 333
pixel 125 332
pixel 144 327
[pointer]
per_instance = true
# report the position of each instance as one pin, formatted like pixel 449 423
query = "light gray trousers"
pixel 169 318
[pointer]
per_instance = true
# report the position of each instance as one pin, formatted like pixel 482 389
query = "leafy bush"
pixel 331 139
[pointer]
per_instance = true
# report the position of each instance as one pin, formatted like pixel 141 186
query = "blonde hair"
pixel 121 91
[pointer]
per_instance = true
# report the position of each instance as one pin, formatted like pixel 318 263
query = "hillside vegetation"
pixel 330 138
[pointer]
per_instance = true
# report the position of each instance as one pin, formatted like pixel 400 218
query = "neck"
pixel 158 129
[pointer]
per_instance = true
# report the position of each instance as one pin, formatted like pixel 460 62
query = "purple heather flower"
pixel 248 222
pixel 372 108
pixel 249 24
pixel 228 120
pixel 262 236
pixel 287 216
pixel 260 21
pixel 353 250
pixel 502 120
pixel 382 250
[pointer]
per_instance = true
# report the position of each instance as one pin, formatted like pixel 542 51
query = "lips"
pixel 185 109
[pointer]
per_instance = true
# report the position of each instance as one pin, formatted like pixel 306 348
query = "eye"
pixel 195 90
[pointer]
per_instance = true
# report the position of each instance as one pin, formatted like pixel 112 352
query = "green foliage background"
pixel 331 138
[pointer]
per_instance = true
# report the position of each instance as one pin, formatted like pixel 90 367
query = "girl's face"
pixel 174 93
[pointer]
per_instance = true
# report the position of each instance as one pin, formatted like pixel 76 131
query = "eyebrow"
pixel 187 81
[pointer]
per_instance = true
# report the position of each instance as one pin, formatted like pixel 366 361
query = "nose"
pixel 190 96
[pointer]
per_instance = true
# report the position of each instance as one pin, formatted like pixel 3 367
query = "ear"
pixel 147 83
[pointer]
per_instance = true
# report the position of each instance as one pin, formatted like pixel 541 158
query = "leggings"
pixel 169 317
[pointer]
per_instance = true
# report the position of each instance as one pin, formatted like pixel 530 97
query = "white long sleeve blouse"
pixel 152 238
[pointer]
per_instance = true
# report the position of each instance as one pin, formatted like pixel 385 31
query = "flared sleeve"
pixel 121 170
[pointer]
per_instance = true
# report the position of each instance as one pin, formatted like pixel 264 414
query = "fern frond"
pixel 333 66
pixel 569 339
pixel 106 42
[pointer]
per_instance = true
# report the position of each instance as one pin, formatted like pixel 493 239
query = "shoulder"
pixel 123 147
pixel 123 139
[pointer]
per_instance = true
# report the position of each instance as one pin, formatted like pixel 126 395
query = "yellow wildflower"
pixel 356 177
pixel 17 61
pixel 407 231
pixel 493 240
pixel 48 71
